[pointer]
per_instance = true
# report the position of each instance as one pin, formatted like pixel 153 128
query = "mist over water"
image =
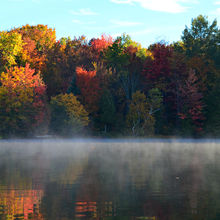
pixel 110 179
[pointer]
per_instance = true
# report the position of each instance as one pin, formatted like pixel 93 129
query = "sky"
pixel 146 21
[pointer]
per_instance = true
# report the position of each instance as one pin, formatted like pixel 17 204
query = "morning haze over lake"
pixel 110 109
pixel 69 179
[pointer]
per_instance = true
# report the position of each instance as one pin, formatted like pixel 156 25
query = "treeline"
pixel 110 87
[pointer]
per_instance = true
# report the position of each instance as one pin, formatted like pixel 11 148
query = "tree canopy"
pixel 108 86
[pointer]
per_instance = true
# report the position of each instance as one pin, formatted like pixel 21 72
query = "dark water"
pixel 110 180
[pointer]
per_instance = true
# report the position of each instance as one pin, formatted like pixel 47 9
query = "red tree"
pixel 157 73
pixel 102 43
pixel 160 65
pixel 192 105
pixel 89 86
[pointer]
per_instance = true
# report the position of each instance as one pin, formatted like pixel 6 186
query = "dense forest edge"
pixel 109 87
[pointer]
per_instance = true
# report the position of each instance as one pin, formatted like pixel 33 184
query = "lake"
pixel 110 179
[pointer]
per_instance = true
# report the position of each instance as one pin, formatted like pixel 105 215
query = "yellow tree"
pixel 68 115
pixel 10 48
pixel 140 118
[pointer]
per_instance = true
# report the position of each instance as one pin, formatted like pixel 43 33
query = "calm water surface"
pixel 152 180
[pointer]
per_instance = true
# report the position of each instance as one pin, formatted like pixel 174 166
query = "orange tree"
pixel 37 40
pixel 21 101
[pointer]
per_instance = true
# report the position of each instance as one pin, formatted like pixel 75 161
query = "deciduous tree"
pixel 140 117
pixel 10 48
pixel 22 103
pixel 68 115
pixel 89 87
pixel 192 104
pixel 107 110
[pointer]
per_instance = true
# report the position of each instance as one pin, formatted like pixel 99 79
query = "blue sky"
pixel 146 21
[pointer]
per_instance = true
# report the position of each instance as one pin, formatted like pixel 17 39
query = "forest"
pixel 109 87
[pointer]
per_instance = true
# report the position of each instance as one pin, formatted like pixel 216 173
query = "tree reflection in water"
pixel 110 181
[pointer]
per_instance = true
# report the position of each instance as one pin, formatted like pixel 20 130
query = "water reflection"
pixel 20 204
pixel 68 180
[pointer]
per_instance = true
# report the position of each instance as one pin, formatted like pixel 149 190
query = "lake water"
pixel 94 179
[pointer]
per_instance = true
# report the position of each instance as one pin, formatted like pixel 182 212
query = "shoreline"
pixel 113 140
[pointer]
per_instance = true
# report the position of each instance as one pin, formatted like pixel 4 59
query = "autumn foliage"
pixel 102 43
pixel 139 119
pixel 157 70
pixel 21 100
pixel 110 86
pixel 68 115
pixel 10 48
pixel 89 87
pixel 192 108
pixel 37 40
